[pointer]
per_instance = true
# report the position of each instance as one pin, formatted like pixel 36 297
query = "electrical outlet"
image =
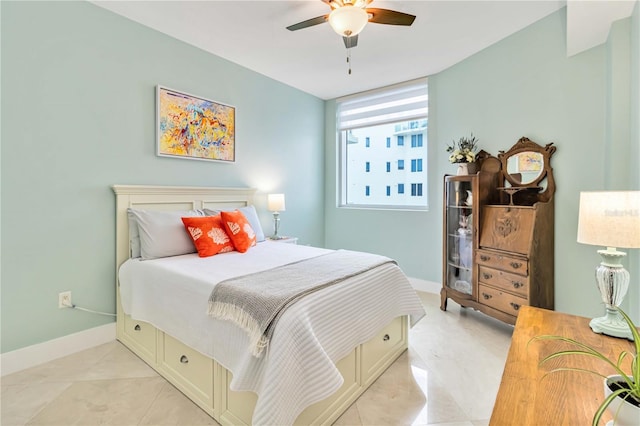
pixel 64 299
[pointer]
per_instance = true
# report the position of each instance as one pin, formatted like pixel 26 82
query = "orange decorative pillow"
pixel 239 230
pixel 208 235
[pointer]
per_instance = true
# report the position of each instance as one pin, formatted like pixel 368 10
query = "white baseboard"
pixel 426 286
pixel 30 356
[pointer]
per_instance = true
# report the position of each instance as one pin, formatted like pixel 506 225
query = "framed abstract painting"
pixel 194 128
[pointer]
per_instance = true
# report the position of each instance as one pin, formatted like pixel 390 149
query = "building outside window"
pixel 416 165
pixel 367 125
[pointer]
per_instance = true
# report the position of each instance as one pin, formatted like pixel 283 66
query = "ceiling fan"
pixel 349 17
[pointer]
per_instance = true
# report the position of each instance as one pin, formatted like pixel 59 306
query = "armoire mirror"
pixel 525 166
pixel 527 172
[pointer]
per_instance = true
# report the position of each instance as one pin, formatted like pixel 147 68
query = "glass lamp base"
pixel 611 324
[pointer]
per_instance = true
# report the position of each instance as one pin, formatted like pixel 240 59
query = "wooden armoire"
pixel 498 233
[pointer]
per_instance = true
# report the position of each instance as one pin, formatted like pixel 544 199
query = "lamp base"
pixel 612 324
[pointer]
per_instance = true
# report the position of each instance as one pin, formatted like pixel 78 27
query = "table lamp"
pixel 610 219
pixel 275 204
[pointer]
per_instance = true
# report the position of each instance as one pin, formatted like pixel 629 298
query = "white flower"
pixel 463 151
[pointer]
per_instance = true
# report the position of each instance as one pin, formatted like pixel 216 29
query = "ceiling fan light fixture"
pixel 348 21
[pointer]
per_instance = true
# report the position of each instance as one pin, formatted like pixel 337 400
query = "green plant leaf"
pixel 581 370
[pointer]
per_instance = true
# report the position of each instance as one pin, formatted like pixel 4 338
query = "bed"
pixel 325 351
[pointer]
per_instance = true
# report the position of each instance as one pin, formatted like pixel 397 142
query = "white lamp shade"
pixel 275 202
pixel 348 21
pixel 610 219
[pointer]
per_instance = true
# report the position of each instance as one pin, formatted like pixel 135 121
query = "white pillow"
pixel 134 235
pixel 160 233
pixel 250 213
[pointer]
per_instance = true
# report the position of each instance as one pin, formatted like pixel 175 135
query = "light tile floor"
pixel 449 376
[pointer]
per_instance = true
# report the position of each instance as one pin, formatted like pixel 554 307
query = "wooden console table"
pixel 562 398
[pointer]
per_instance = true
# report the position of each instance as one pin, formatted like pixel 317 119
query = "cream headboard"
pixel 170 198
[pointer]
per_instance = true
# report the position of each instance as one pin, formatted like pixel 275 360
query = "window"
pixel 416 190
pixel 396 115
pixel 367 167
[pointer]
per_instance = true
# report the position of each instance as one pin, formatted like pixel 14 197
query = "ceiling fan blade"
pixel 308 23
pixel 390 17
pixel 350 42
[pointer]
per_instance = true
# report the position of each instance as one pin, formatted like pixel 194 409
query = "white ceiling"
pixel 253 34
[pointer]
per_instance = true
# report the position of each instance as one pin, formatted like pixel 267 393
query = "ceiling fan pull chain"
pixel 349 60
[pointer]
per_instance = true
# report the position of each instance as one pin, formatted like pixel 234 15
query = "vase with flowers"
pixel 463 153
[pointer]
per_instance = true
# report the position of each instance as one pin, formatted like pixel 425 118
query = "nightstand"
pixel 283 239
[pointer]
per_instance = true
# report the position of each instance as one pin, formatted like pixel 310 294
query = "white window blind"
pixel 402 102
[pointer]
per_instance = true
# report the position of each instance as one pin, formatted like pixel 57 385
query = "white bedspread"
pixel 172 294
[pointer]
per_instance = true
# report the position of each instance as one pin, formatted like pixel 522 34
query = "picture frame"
pixel 195 128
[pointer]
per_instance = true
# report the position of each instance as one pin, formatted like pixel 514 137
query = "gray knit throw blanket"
pixel 254 302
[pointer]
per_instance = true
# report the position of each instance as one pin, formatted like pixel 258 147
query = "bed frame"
pixel 201 378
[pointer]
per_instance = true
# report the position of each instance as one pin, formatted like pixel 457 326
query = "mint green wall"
pixel 524 85
pixel 78 115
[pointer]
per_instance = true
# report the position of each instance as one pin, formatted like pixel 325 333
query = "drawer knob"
pixel 486 296
pixel 184 359
pixel 385 337
pixel 486 276
pixel 484 258
pixel 517 284
pixel 137 327
pixel 515 265
pixel 515 306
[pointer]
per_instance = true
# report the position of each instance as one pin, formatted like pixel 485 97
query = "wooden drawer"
pixel 504 262
pixel 141 337
pixel 384 345
pixel 500 300
pixel 516 284
pixel 188 370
